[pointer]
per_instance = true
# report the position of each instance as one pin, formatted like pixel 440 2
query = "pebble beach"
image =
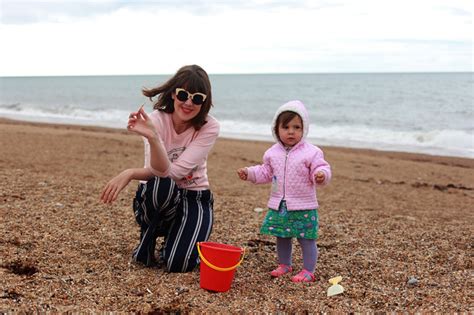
pixel 397 227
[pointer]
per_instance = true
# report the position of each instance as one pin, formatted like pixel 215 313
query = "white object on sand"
pixel 335 288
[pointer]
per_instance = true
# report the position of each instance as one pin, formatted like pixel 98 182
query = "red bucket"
pixel 218 264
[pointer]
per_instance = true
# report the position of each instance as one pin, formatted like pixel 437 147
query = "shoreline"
pixel 461 159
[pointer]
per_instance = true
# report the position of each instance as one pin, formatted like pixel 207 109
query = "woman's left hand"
pixel 115 186
pixel 320 177
pixel 139 122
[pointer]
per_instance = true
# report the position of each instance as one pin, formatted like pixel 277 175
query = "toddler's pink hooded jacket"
pixel 291 172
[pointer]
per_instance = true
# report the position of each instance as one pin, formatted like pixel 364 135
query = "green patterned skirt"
pixel 297 223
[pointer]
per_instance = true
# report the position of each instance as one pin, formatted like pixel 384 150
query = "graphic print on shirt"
pixel 190 180
pixel 173 155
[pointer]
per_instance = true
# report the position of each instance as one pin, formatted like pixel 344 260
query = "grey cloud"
pixel 25 12
pixel 35 11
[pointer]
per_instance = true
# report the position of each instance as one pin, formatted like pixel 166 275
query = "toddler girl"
pixel 294 167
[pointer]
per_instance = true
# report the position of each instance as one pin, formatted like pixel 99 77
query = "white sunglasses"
pixel 183 96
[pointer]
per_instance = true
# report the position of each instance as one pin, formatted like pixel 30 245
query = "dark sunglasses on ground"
pixel 183 96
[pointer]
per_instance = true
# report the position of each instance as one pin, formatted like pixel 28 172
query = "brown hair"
pixel 192 78
pixel 283 119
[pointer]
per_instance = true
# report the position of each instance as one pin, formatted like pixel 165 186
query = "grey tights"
pixel 309 248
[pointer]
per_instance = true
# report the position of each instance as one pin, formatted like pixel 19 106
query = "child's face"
pixel 292 133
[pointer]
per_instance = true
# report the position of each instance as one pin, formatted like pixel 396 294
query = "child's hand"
pixel 243 173
pixel 320 177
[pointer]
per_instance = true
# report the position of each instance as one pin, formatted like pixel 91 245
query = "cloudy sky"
pixel 82 37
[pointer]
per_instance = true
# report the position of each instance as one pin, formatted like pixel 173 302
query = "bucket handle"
pixel 215 267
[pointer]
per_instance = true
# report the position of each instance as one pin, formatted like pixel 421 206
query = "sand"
pixel 397 227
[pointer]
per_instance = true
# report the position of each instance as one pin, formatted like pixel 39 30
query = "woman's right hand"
pixel 139 122
pixel 243 173
pixel 115 186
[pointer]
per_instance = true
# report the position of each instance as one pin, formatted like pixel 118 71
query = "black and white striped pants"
pixel 182 216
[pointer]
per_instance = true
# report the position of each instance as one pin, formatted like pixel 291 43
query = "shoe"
pixel 303 276
pixel 281 270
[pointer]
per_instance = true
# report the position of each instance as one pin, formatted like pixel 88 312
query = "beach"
pixel 396 226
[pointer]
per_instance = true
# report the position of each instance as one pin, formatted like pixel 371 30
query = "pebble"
pixel 412 281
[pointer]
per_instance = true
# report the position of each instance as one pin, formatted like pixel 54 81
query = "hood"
pixel 293 106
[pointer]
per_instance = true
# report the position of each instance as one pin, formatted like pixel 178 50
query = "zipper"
pixel 284 172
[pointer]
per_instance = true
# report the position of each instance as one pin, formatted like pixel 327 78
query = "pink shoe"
pixel 303 276
pixel 281 270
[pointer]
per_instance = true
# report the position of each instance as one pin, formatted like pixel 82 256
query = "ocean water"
pixel 429 113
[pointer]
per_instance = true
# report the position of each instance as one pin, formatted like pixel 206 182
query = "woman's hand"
pixel 320 177
pixel 115 186
pixel 140 123
pixel 243 173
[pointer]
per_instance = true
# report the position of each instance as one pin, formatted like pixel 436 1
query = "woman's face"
pixel 184 111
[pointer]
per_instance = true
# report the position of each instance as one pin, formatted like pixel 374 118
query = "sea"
pixel 431 113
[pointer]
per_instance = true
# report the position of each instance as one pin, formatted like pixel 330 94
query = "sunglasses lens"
pixel 182 96
pixel 198 99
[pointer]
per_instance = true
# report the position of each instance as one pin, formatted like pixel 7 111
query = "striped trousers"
pixel 183 217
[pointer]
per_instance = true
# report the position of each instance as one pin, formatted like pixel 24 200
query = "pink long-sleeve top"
pixel 187 151
pixel 291 171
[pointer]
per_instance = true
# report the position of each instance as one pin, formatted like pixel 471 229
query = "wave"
pixel 436 142
pixel 114 118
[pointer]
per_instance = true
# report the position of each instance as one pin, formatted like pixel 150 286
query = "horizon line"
pixel 238 73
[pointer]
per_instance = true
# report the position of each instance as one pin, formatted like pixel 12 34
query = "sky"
pixel 116 37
